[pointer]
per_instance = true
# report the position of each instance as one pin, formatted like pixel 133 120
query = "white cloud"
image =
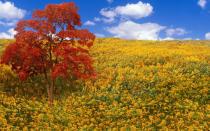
pixel 4 35
pixel 97 19
pixel 188 38
pixel 202 3
pixel 207 36
pixel 177 31
pixel 90 23
pixel 110 1
pixel 10 12
pixel 109 14
pixel 109 20
pixel 11 23
pixel 9 35
pixel 99 35
pixel 12 32
pixel 132 30
pixel 167 38
pixel 136 11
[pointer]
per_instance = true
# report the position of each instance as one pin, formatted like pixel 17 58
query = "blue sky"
pixel 126 19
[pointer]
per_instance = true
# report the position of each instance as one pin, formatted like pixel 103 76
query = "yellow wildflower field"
pixel 141 85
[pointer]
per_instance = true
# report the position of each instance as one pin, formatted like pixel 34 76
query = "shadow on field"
pixel 35 87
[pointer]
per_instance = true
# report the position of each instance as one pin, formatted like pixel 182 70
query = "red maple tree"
pixel 50 44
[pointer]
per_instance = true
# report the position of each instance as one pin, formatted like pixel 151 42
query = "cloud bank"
pixel 132 30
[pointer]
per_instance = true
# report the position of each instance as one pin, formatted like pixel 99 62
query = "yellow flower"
pixel 92 119
pixel 151 117
pixel 115 103
pixel 25 128
pixel 133 128
pixel 163 123
pixel 91 124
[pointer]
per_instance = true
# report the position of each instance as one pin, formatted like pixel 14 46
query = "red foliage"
pixel 47 44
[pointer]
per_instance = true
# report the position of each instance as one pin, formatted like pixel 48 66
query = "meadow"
pixel 141 85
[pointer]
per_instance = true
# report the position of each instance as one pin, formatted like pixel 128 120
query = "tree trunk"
pixel 51 93
pixel 48 94
pixel 51 97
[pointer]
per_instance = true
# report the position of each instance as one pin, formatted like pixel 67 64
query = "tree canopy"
pixel 51 44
